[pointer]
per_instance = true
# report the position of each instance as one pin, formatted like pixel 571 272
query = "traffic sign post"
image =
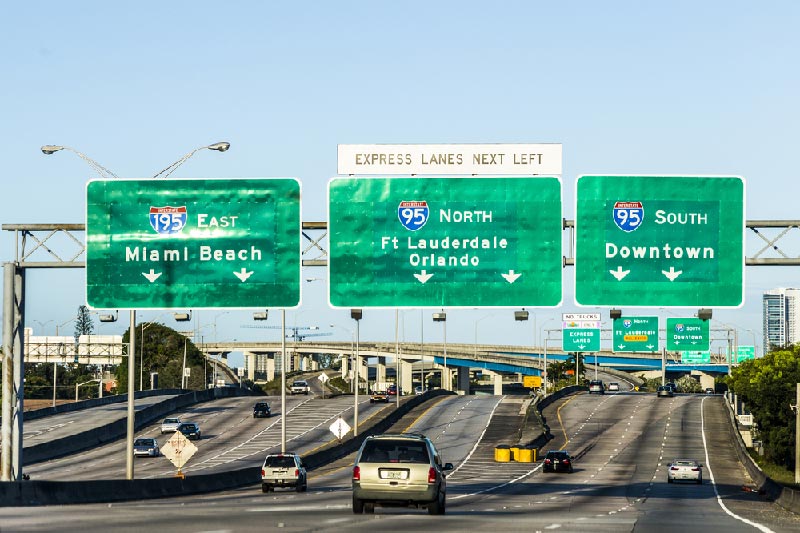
pixel 659 241
pixel 445 242
pixel 164 244
pixel 687 334
pixel 580 332
pixel 636 334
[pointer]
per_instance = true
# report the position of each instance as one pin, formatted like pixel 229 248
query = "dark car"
pixel 557 461
pixel 190 430
pixel 665 392
pixel 261 410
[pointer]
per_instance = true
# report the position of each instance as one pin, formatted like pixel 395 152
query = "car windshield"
pixel 143 442
pixel 395 452
pixel 280 461
pixel 299 384
pixel 172 421
pixel 557 455
pixel 684 463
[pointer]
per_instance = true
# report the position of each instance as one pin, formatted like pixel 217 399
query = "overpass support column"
pixel 497 381
pixel 345 365
pixel 251 365
pixel 406 377
pixel 380 370
pixel 463 379
pixel 270 368
pixel 314 364
pixel 447 378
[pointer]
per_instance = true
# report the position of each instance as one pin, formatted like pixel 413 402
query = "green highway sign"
pixel 165 244
pixel 580 339
pixel 635 334
pixel 659 241
pixel 690 334
pixel 743 353
pixel 444 242
pixel 696 357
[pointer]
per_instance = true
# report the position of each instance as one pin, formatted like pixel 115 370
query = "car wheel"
pixel 669 480
pixel 369 508
pixel 358 506
pixel 298 488
pixel 437 507
pixel 700 481
pixel 305 487
pixel 264 487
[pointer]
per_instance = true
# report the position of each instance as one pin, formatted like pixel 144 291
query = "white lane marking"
pixel 756 525
pixel 480 438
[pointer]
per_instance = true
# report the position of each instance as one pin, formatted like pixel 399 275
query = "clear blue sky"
pixel 627 87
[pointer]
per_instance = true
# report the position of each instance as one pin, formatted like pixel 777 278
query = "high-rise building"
pixel 781 308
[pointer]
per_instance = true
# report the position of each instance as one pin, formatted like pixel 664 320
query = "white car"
pixel 613 387
pixel 146 447
pixel 170 425
pixel 685 470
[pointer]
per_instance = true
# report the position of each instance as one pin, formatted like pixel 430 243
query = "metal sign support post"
pixel 8 369
pixel 283 380
pixel 131 393
pixel 357 377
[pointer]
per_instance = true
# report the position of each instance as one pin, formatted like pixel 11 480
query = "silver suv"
pixel 283 470
pixel 399 469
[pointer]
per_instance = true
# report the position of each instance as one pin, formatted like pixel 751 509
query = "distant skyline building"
pixel 781 317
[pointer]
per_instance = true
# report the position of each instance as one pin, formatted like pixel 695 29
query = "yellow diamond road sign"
pixel 179 449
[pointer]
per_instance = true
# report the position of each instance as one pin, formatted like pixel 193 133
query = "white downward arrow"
pixel 152 276
pixel 621 346
pixel 619 273
pixel 672 274
pixel 511 277
pixel 243 274
pixel 423 276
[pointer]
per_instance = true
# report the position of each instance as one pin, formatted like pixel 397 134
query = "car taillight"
pixel 547 461
pixel 431 475
pixel 565 461
pixel 356 473
pixel 696 469
pixel 296 472
pixel 674 468
pixel 263 473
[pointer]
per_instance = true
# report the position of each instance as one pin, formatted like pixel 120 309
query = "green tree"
pixel 83 323
pixel 767 386
pixel 162 348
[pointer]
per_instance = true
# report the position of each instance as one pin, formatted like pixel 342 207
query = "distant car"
pixel 613 387
pixel 170 425
pixel 261 410
pixel 190 430
pixel 391 390
pixel 596 386
pixel 672 387
pixel 379 396
pixel 664 392
pixel 557 461
pixel 419 390
pixel 710 390
pixel 300 386
pixel 403 469
pixel 283 470
pixel 146 447
pixel 685 470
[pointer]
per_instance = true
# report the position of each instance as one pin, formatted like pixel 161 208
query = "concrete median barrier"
pixel 35 492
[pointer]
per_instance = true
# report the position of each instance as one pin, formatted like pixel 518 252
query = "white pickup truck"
pixel 300 386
